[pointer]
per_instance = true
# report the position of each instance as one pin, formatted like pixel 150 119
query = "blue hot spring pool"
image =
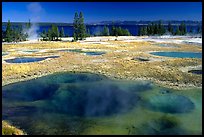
pixel 86 103
pixel 90 53
pixel 4 53
pixel 28 59
pixel 179 54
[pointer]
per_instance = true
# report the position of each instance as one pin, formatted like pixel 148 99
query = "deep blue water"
pixel 179 54
pixel 96 29
pixel 28 59
pixel 196 72
pixel 87 103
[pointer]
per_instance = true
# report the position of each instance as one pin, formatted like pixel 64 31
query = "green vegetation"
pixel 119 32
pixel 154 29
pixel 13 34
pixel 7 129
pixel 159 29
pixel 53 34
pixel 79 27
pixel 105 31
pixel 88 34
pixel 61 34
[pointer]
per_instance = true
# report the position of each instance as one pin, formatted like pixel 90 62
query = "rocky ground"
pixel 119 61
pixel 125 58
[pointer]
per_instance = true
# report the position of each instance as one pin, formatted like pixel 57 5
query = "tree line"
pixel 80 32
pixel 115 31
pixel 53 34
pixel 159 29
pixel 13 34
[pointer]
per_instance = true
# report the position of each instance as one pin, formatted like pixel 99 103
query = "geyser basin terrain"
pixel 85 103
pixel 28 59
pixel 179 54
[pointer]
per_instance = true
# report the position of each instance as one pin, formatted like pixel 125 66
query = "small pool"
pixel 91 53
pixel 167 45
pixel 179 54
pixel 31 51
pixel 28 59
pixel 72 50
pixel 4 53
pixel 199 72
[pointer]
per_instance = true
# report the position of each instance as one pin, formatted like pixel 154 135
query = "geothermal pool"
pixel 199 72
pixel 28 59
pixel 4 53
pixel 90 53
pixel 86 103
pixel 179 54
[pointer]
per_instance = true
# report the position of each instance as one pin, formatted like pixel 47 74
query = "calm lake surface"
pixel 86 103
pixel 179 54
pixel 96 29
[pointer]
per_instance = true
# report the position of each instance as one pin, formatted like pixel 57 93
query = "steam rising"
pixel 35 10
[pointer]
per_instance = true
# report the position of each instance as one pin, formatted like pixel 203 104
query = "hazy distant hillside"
pixel 147 22
pixel 112 23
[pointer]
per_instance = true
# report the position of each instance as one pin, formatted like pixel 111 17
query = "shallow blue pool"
pixel 179 54
pixel 4 53
pixel 28 59
pixel 90 53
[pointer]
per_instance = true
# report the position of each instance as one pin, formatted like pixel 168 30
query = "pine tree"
pixel 126 32
pixel 76 26
pixel 178 31
pixel 155 29
pixel 50 34
pixel 44 35
pixel 56 32
pixel 28 24
pixel 191 30
pixel 61 32
pixel 88 34
pixel 170 28
pixel 148 30
pixel 182 28
pixel 8 37
pixel 105 31
pixel 82 28
pixel 145 30
pixel 53 32
pixel 199 30
pixel 119 31
pixel 113 31
pixel 141 31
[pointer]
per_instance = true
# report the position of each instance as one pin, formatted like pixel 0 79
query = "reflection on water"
pixel 85 103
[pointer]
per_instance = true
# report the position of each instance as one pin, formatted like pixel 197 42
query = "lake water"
pixel 28 59
pixel 96 29
pixel 179 54
pixel 86 103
